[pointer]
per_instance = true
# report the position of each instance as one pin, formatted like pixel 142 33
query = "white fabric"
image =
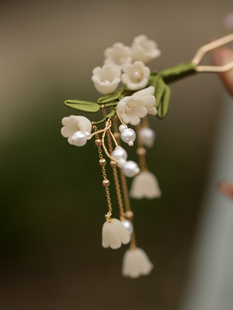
pixel 211 282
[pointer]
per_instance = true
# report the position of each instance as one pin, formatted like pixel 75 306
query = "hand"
pixel 220 57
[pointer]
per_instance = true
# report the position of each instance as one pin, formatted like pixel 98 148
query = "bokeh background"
pixel 52 200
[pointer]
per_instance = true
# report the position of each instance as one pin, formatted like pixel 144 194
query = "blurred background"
pixel 52 199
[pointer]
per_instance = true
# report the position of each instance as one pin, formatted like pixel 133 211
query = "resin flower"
pixel 145 185
pixel 106 79
pixel 136 263
pixel 74 124
pixel 135 75
pixel 114 234
pixel 144 49
pixel 118 55
pixel 132 108
pixel 149 99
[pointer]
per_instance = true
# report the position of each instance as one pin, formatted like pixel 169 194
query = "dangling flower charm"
pixel 114 234
pixel 145 185
pixel 136 263
pixel 77 129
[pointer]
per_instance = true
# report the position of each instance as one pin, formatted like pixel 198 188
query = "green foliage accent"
pixel 110 115
pixel 110 97
pixel 164 103
pixel 82 105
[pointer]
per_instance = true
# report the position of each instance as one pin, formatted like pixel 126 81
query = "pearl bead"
pixel 79 138
pixel 88 134
pixel 119 153
pixel 128 135
pixel 130 169
pixel 147 136
pixel 121 162
pixel 128 225
pixel 122 127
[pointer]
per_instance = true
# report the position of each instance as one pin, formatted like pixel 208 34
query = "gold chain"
pixel 141 151
pixel 115 174
pixel 106 183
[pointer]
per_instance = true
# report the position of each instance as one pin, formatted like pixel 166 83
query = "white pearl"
pixel 147 136
pixel 119 153
pixel 88 134
pixel 122 127
pixel 130 169
pixel 79 138
pixel 128 225
pixel 121 162
pixel 128 135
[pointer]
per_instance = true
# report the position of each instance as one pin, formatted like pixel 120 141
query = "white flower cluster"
pixel 129 60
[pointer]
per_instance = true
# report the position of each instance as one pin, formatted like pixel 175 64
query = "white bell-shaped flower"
pixel 114 234
pixel 144 49
pixel 106 79
pixel 132 108
pixel 149 99
pixel 145 185
pixel 136 263
pixel 147 136
pixel 74 124
pixel 135 75
pixel 118 55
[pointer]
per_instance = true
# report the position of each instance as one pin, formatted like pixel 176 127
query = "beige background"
pixel 52 198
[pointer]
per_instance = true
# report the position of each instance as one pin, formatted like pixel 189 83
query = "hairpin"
pixel 143 92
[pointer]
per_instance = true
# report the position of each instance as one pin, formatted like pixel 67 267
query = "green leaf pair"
pixel 162 94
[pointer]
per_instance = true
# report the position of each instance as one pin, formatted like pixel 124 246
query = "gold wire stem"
pixel 104 147
pixel 128 212
pixel 99 131
pixel 114 169
pixel 145 122
pixel 141 151
pixel 133 244
pixel 107 192
pixel 209 47
pixel 120 119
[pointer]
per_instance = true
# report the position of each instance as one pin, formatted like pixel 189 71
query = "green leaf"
pixel 82 105
pixel 110 115
pixel 110 97
pixel 164 104
pixel 159 91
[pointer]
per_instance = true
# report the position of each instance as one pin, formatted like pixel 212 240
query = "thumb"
pixel 221 57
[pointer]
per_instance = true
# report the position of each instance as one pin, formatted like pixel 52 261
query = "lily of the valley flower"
pixel 114 234
pixel 135 75
pixel 118 55
pixel 136 263
pixel 132 108
pixel 145 185
pixel 106 79
pixel 76 127
pixel 144 49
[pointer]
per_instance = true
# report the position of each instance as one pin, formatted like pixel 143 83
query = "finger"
pixel 220 57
